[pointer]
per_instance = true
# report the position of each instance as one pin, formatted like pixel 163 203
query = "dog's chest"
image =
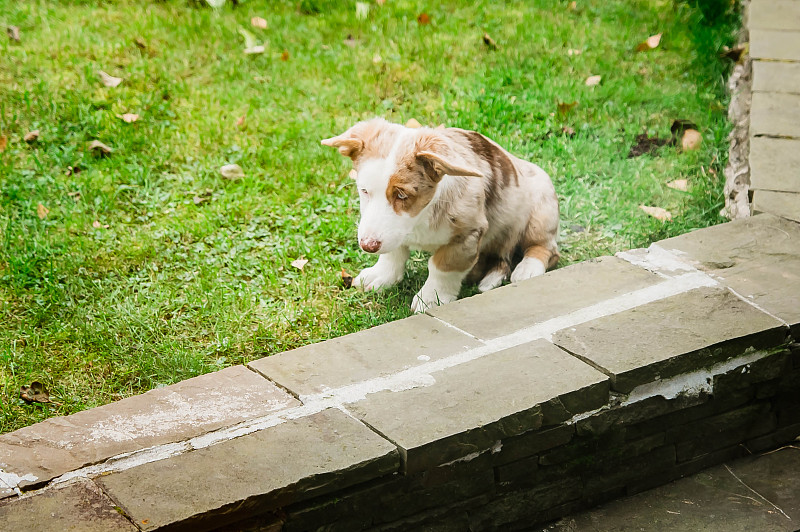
pixel 426 238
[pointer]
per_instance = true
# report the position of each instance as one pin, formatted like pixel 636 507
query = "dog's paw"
pixel 429 297
pixel 492 280
pixel 375 278
pixel 529 267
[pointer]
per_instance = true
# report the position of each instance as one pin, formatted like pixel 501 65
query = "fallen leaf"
pixel 232 171
pixel 42 211
pixel 649 44
pixel 200 199
pixel 74 170
pixel 240 121
pixel 574 51
pixel 657 212
pixel 565 108
pixel 216 4
pixel 96 224
pixel 109 80
pixel 3 142
pixel 691 140
pixel 568 131
pixel 347 279
pixel 488 41
pixel 572 6
pixel 380 2
pixel 13 33
pixel 138 41
pixel 285 55
pixel 376 59
pixel 31 136
pixel 413 123
pixel 353 174
pixel 424 19
pixel 362 10
pixel 76 196
pixel 259 22
pixel 737 53
pixel 100 148
pixel 645 144
pixel 129 118
pixel 591 81
pixel 35 393
pixel 679 184
pixel 299 263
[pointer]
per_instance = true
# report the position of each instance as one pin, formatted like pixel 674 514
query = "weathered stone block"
pixel 78 507
pixel 785 204
pixel 775 44
pixel 774 162
pixel 682 333
pixel 253 474
pixel 532 443
pixel 365 355
pixel 559 292
pixel 774 15
pixel 171 414
pixel 774 113
pixel 468 408
pixel 630 414
pixel 770 76
pixel 652 463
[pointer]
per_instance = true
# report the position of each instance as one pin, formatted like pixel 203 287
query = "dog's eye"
pixel 400 195
pixel 363 191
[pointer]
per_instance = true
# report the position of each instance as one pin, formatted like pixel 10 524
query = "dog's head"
pixel 397 171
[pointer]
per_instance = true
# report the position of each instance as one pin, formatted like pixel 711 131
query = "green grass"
pixel 172 288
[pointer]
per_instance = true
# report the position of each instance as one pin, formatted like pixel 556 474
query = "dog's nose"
pixel 369 245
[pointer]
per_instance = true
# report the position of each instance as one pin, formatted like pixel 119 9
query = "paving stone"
pixel 769 76
pixel 174 413
pixel 774 15
pixel 77 507
pixel 775 44
pixel 784 204
pixel 671 336
pixel 775 114
pixel 774 163
pixel 759 257
pixel 508 309
pixel 252 474
pixel 376 352
pixel 472 406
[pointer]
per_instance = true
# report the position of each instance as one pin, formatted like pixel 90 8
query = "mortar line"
pixel 758 307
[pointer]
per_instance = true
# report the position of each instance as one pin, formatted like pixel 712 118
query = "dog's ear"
pixel 348 145
pixel 437 166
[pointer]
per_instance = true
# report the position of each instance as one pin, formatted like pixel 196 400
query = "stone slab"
pixel 770 76
pixel 774 15
pixel 783 204
pixel 514 307
pixel 758 257
pixel 775 163
pixel 368 354
pixel 775 44
pixel 467 408
pixel 671 336
pixel 253 474
pixel 775 114
pixel 46 450
pixel 713 500
pixel 77 507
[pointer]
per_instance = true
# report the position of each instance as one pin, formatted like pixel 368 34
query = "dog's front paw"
pixel 429 297
pixel 375 278
pixel 529 267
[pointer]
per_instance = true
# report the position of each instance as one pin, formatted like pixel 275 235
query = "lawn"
pixel 128 271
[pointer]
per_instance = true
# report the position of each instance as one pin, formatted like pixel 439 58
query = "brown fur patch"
pixel 547 257
pixel 414 177
pixel 460 254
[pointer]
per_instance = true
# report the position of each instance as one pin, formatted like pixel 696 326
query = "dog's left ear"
pixel 441 166
pixel 348 146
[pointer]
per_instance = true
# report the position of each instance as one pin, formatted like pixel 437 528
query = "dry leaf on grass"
pixel 488 41
pixel 13 33
pixel 679 184
pixel 232 171
pixel 591 81
pixel 299 263
pixel 109 80
pixel 347 279
pixel 97 225
pixel 350 41
pixel 574 51
pixel 380 2
pixel 31 136
pixel 657 212
pixel 737 53
pixel 42 211
pixel 99 148
pixel 565 108
pixel 649 44
pixel 413 123
pixel 259 22
pixel 35 393
pixel 572 6
pixel 3 142
pixel 424 19
pixel 76 196
pixel 129 118
pixel 568 131
pixel 285 55
pixel 240 121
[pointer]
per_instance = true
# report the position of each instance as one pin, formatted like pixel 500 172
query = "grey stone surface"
pixel 784 204
pixel 759 257
pixel 662 339
pixel 76 507
pixel 252 474
pixel 775 44
pixel 173 413
pixel 539 299
pixel 755 493
pixel 472 406
pixel 774 15
pixel 770 76
pixel 776 114
pixel 376 352
pixel 775 163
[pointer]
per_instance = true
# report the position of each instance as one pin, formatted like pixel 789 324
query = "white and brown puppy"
pixel 453 193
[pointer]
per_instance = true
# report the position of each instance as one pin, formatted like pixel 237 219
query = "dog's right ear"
pixel 348 145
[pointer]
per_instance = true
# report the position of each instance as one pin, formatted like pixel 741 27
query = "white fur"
pixel 529 267
pixel 491 280
pixel 440 288
pixel 387 271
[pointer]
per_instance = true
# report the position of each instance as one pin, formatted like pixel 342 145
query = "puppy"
pixel 455 194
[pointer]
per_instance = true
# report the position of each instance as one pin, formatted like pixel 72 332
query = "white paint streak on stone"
pixel 126 461
pixel 423 358
pixel 657 260
pixel 12 480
